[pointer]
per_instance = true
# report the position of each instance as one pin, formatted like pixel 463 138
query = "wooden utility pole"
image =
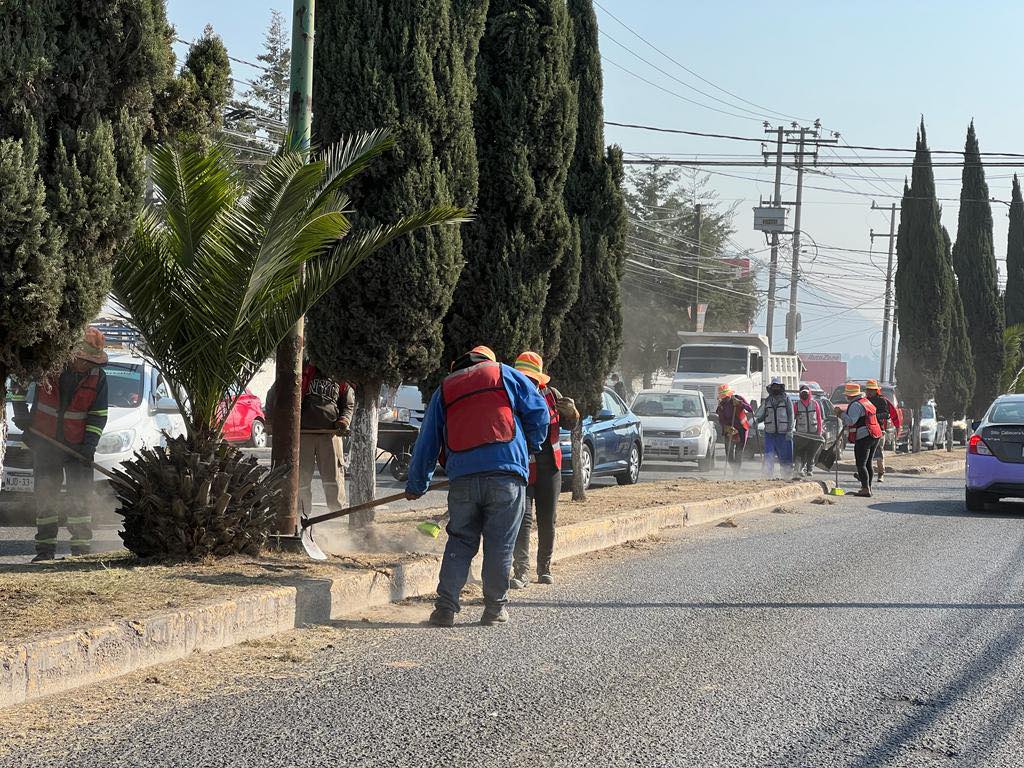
pixel 773 266
pixel 288 382
pixel 887 317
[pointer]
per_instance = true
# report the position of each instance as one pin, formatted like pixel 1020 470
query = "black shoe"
pixel 44 557
pixel 490 617
pixel 442 617
pixel 545 578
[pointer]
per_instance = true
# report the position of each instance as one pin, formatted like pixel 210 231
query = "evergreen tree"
pixel 190 109
pixel 1013 301
pixel 525 122
pixel 956 384
pixel 974 260
pixel 73 107
pixel 925 288
pixel 406 66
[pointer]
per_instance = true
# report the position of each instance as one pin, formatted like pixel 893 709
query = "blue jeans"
pixel 481 505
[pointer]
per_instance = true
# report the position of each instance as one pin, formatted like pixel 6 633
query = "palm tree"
pixel 213 276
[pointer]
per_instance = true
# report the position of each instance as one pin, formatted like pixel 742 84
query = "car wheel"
pixel 587 466
pixel 258 434
pixel 708 462
pixel 976 500
pixel 632 473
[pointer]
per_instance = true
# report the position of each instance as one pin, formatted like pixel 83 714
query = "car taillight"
pixel 978 447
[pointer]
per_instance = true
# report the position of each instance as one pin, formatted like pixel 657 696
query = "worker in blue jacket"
pixel 483 423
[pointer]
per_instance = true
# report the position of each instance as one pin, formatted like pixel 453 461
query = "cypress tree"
pixel 73 108
pixel 1013 301
pixel 925 287
pixel 525 122
pixel 406 66
pixel 974 260
pixel 958 375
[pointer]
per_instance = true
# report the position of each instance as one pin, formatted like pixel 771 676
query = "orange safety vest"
pixel 477 408
pixel 47 418
pixel 869 420
pixel 554 434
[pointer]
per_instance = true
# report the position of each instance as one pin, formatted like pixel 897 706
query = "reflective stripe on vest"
pixel 47 418
pixel 772 420
pixel 554 434
pixel 477 408
pixel 806 413
pixel 869 420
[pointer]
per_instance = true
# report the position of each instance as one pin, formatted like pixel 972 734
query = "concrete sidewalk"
pixel 65 660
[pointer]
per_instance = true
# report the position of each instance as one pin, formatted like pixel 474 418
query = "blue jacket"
pixel 531 416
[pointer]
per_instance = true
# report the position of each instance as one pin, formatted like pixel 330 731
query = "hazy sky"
pixel 867 69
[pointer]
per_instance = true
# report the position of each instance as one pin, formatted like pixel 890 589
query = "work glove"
pixel 343 427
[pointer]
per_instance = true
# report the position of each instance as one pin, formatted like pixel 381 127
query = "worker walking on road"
pixel 777 415
pixel 734 414
pixel 864 432
pixel 887 413
pixel 70 408
pixel 808 435
pixel 545 481
pixel 485 421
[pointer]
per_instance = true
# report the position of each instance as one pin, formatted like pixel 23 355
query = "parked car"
pixel 676 426
pixel 140 411
pixel 995 454
pixel 613 444
pixel 403 404
pixel 246 423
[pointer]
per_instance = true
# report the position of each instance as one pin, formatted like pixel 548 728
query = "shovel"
pixel 307 523
pixel 72 452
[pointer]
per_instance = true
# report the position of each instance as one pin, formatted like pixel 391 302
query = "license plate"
pixel 655 443
pixel 18 483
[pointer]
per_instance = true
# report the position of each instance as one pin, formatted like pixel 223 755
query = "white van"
pixel 140 412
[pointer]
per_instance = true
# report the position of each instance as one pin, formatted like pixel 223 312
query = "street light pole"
pixel 288 382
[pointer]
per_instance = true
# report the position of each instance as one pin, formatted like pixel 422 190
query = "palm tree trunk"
pixel 363 467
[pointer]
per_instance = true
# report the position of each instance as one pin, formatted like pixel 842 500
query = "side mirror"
pixel 168 406
pixel 604 415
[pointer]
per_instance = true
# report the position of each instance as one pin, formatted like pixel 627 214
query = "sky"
pixel 869 70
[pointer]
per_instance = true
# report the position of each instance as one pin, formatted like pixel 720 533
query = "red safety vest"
pixel 47 418
pixel 477 408
pixel 869 420
pixel 554 434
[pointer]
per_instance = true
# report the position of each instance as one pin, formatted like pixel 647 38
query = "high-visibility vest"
pixel 808 416
pixel 869 420
pixel 47 418
pixel 777 416
pixel 477 408
pixel 554 433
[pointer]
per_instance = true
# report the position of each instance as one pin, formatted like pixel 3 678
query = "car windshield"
pixel 694 358
pixel 927 412
pixel 1007 413
pixel 667 404
pixel 124 385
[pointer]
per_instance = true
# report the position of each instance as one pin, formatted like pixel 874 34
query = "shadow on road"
pixel 950 508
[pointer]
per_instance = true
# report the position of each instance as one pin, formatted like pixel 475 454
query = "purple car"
pixel 995 454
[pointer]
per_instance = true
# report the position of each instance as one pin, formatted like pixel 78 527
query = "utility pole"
pixel 288 383
pixel 792 317
pixel 887 318
pixel 892 350
pixel 695 308
pixel 774 264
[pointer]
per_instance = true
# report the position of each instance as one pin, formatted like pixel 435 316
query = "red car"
pixel 246 422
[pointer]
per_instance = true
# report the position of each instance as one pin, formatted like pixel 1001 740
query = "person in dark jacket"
pixel 72 409
pixel 484 421
pixel 887 413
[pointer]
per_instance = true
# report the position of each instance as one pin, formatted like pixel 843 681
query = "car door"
pixel 603 437
pixel 622 433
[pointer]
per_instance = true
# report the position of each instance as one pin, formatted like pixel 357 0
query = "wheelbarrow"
pixel 395 440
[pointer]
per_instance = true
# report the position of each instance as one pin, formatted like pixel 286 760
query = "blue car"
pixel 613 444
pixel 995 454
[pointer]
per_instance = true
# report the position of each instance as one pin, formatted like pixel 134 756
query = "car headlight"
pixel 116 442
pixel 400 415
pixel 691 432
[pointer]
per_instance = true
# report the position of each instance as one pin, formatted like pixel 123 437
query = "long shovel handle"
pixel 310 521
pixel 72 452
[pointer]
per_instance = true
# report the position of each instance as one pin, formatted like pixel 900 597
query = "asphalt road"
pixel 882 632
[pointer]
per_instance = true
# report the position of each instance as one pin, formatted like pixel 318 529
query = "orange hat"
pixel 531 364
pixel 90 348
pixel 724 390
pixel 485 351
pixel 873 384
pixel 853 389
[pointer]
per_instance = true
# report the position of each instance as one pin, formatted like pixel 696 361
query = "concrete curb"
pixel 67 660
